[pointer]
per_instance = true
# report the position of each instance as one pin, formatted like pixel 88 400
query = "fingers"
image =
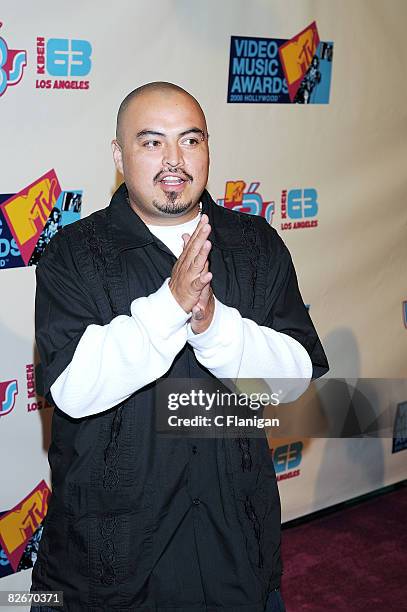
pixel 196 244
pixel 199 308
pixel 200 260
pixel 196 247
pixel 185 238
pixel 200 281
pixel 205 295
pixel 190 274
pixel 205 275
pixel 198 237
pixel 202 222
pixel 203 282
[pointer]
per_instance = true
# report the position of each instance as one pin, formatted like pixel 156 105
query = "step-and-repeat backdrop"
pixel 305 103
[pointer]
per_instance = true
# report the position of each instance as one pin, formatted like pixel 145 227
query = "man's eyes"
pixel 188 142
pixel 151 144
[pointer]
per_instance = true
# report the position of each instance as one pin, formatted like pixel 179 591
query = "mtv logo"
pixel 27 212
pixel 296 56
pixel 19 524
pixel 234 192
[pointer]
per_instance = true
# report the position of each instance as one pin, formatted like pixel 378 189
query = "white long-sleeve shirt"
pixel 113 361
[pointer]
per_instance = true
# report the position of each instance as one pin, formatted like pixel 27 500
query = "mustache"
pixel 181 173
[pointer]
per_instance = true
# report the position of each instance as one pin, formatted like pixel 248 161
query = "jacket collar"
pixel 130 231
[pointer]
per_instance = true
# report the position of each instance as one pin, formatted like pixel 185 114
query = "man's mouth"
pixel 172 183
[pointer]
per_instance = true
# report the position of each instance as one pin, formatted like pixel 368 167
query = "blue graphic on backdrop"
pixel 64 59
pixel 400 428
pixel 66 211
pixel 259 69
pixel 287 460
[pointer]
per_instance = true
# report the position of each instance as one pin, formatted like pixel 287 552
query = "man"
pixel 163 283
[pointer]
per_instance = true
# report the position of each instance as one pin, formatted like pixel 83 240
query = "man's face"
pixel 162 152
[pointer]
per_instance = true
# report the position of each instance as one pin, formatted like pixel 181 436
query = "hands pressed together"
pixel 190 279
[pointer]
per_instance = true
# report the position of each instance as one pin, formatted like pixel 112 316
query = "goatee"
pixel 171 207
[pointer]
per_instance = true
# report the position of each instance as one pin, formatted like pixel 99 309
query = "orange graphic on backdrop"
pixel 19 524
pixel 234 192
pixel 296 56
pixel 27 212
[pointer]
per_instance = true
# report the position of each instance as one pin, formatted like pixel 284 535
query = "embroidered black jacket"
pixel 138 521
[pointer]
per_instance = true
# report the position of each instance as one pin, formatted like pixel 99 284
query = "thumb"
pixel 197 313
pixel 204 297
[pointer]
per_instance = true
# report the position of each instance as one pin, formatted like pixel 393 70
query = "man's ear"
pixel 117 156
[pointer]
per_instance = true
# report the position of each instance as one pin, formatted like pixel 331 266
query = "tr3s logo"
pixel 8 394
pixel 12 64
pixel 239 196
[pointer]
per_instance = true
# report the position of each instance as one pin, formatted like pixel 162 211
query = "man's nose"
pixel 172 155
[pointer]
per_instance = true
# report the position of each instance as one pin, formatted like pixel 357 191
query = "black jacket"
pixel 138 521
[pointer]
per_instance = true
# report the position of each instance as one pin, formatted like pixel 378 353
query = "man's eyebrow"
pixel 193 130
pixel 147 132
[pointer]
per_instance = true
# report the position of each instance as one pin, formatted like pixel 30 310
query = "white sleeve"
pixel 235 347
pixel 113 361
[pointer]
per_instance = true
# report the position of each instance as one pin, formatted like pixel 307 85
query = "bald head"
pixel 161 148
pixel 156 88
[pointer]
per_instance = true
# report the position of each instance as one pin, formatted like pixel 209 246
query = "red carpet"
pixel 352 560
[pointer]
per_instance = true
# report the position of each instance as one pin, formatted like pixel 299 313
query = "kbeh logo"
pixel 287 459
pixel 8 394
pixel 249 200
pixel 299 208
pixel 12 64
pixel 64 58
